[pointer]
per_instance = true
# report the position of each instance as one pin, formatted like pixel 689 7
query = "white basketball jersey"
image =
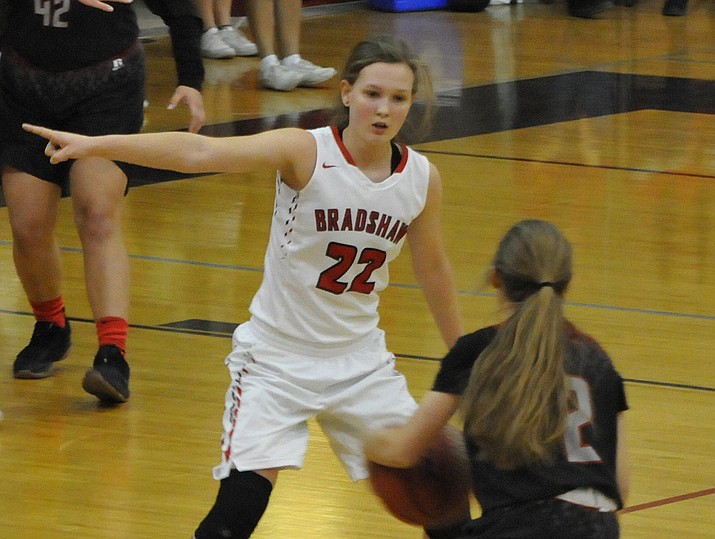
pixel 330 245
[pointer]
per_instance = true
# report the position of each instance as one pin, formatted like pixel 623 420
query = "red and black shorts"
pixel 105 98
pixel 539 519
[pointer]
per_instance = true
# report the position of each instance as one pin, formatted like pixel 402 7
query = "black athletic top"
pixel 81 36
pixel 589 458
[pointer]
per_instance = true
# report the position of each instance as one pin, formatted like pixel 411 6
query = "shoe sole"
pixel 280 87
pixel 95 384
pixel 218 56
pixel 313 83
pixel 25 374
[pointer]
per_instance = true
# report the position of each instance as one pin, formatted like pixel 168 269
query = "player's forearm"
pixel 440 293
pixel 182 152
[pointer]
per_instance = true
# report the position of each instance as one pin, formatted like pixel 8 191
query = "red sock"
pixel 50 311
pixel 113 330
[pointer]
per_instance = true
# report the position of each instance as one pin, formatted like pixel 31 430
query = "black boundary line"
pixel 222 335
pixel 424 150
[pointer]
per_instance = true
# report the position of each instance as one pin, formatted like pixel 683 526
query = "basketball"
pixel 434 491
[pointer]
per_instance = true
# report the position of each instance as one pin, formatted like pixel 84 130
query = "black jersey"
pixel 63 35
pixel 589 456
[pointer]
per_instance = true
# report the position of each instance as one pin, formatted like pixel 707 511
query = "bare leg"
pixel 261 17
pixel 288 20
pixel 97 194
pixel 33 206
pixel 222 12
pixel 206 12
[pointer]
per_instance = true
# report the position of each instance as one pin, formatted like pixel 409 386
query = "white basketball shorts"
pixel 273 393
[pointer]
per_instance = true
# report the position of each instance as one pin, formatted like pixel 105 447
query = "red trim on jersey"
pixel 349 158
pixel 341 145
pixel 403 161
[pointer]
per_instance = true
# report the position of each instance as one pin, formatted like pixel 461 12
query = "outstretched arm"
pixel 291 151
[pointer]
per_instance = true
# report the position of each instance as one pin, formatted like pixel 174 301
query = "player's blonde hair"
pixel 390 49
pixel 516 402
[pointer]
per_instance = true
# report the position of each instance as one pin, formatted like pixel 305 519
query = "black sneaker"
pixel 108 379
pixel 49 343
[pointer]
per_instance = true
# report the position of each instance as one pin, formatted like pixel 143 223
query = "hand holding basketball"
pixel 431 493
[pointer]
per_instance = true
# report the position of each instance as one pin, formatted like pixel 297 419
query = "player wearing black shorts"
pixel 79 68
pixel 542 406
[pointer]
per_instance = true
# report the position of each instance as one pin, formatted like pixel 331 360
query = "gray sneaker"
pixel 212 46
pixel 279 77
pixel 235 39
pixel 311 74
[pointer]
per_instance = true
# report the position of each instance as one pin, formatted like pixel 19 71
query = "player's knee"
pixel 241 501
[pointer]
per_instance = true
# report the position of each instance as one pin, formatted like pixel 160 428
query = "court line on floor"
pixel 667 501
pixel 566 163
pixel 463 292
pixel 227 331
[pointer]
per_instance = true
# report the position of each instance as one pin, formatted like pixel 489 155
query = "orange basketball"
pixel 431 493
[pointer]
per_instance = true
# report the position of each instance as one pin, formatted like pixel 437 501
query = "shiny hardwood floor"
pixel 606 127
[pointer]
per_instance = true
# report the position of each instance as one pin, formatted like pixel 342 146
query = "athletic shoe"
pixel 49 343
pixel 108 379
pixel 279 77
pixel 311 74
pixel 212 46
pixel 235 39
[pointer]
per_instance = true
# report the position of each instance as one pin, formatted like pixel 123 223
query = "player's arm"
pixel 623 475
pixel 402 447
pixel 291 151
pixel 185 28
pixel 431 264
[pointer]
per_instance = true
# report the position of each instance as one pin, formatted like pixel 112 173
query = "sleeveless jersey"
pixel 330 245
pixel 589 458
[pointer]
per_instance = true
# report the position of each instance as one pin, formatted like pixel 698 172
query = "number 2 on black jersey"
pixel 52 11
pixel 346 256
pixel 577 450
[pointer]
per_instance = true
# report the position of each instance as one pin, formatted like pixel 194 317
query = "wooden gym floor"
pixel 605 126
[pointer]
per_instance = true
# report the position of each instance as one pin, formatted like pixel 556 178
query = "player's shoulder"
pixel 586 355
pixel 475 341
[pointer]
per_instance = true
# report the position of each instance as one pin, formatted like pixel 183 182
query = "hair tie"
pixel 545 283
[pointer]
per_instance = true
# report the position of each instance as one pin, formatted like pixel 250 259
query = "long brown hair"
pixel 516 402
pixel 390 49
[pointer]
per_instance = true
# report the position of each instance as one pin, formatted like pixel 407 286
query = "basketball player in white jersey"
pixel 347 197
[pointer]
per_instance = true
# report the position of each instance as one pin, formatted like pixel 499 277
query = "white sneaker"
pixel 235 39
pixel 311 74
pixel 212 46
pixel 279 77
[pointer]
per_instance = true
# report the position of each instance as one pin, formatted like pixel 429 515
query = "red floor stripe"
pixel 667 501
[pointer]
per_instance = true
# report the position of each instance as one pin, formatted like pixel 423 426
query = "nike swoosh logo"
pixel 325 165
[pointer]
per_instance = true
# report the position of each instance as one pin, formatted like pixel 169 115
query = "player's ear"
pixel 494 278
pixel 345 88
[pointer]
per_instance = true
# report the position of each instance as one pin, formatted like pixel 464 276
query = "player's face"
pixel 379 100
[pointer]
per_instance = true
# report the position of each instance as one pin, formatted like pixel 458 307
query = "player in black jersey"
pixel 541 403
pixel 78 65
